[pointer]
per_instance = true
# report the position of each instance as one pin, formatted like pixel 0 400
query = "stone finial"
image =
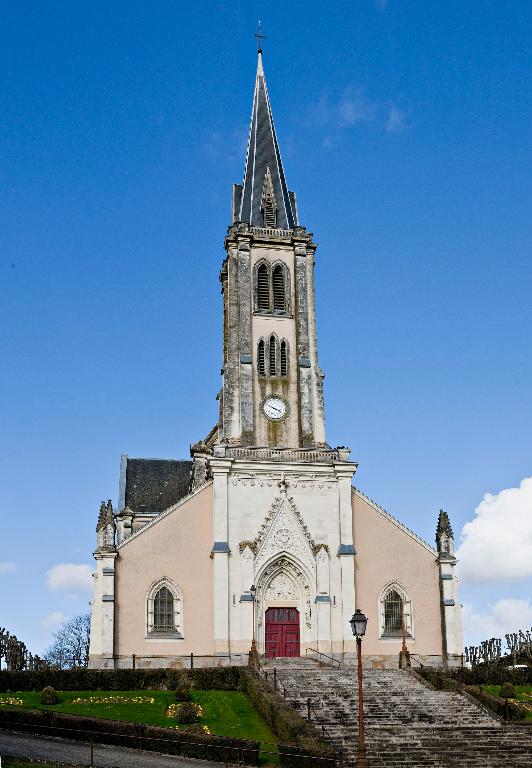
pixel 105 528
pixel 444 535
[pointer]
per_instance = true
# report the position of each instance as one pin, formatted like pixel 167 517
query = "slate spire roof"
pixel 263 199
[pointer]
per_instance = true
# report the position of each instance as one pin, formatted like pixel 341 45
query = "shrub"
pixel 187 712
pixel 507 691
pixel 49 695
pixel 183 687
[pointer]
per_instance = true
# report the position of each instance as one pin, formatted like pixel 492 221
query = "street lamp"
pixel 405 656
pixel 358 625
pixel 253 654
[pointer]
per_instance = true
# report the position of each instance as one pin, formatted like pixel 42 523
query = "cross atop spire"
pixel 260 37
pixel 264 167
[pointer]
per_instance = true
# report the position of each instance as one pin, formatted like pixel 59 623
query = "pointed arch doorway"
pixel 282 635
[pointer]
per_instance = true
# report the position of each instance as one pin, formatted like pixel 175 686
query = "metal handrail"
pixel 418 661
pixel 278 681
pixel 331 658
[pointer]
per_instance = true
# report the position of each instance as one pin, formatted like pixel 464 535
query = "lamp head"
pixel 358 623
pixel 253 590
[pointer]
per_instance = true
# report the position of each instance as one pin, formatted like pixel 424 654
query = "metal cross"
pixel 260 37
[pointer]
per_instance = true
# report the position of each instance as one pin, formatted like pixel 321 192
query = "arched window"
pixel 261 359
pixel 273 356
pixel 278 285
pixel 284 358
pixel 165 610
pixel 263 287
pixel 395 608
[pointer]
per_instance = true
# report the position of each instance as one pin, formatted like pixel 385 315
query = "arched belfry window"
pixel 278 289
pixel 164 610
pixel 261 359
pixel 284 358
pixel 273 356
pixel 263 287
pixel 395 608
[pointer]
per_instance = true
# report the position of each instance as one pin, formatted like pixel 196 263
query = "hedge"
pixel 123 734
pixel 297 736
pixel 494 675
pixel 443 681
pixel 82 679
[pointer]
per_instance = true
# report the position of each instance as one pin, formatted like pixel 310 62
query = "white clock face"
pixel 274 408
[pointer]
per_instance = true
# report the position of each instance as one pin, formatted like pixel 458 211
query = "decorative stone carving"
pixel 285 580
pixel 295 480
pixel 284 530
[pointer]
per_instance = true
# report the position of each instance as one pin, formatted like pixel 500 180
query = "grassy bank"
pixel 523 696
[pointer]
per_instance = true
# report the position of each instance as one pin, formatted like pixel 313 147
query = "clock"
pixel 274 408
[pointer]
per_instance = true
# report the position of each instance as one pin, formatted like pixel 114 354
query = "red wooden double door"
pixel 282 632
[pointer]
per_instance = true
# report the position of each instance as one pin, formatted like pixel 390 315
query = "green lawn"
pixel 524 694
pixel 225 713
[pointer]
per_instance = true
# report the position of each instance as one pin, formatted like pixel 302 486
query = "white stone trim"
pixel 178 609
pixel 394 520
pixel 164 514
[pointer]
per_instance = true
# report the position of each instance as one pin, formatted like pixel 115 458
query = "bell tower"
pixel 272 393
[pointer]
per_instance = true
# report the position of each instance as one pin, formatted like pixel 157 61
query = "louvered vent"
pixel 279 303
pixel 261 361
pixel 270 215
pixel 263 287
pixel 284 360
pixel 273 357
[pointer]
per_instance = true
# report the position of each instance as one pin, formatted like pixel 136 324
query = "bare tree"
pixel 70 646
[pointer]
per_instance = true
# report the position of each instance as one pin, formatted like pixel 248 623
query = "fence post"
pixel 134 661
pixel 92 750
pixel 275 678
pixel 191 661
pixel 284 691
pixel 226 763
pixel 308 710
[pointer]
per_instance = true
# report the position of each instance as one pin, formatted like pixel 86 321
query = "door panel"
pixel 282 632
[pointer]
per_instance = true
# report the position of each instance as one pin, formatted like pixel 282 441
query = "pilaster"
pixel 101 651
pixel 220 553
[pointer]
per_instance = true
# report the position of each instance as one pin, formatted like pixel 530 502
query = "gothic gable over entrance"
pixel 284 532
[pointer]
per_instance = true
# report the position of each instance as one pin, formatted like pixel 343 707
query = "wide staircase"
pixel 406 722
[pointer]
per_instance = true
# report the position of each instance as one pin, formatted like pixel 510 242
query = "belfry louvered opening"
pixel 273 356
pixel 269 212
pixel 263 287
pixel 284 359
pixel 261 359
pixel 279 291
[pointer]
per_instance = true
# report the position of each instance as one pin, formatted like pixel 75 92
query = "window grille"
pixel 393 609
pixel 284 359
pixel 163 611
pixel 261 359
pixel 263 287
pixel 279 301
pixel 273 357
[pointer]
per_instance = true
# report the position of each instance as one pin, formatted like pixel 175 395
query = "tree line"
pixel 518 646
pixel 69 648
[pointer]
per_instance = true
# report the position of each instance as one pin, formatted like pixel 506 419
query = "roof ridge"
pixel 394 520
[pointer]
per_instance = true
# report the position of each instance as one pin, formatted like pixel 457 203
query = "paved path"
pixel 25 745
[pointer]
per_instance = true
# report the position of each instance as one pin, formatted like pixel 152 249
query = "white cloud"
pixel 353 108
pixel 53 620
pixel 7 567
pixel 396 121
pixel 505 616
pixel 70 577
pixel 497 544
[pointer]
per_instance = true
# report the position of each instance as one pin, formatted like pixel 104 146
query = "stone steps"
pixel 407 723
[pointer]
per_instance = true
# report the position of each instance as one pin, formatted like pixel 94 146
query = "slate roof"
pixel 153 485
pixel 263 153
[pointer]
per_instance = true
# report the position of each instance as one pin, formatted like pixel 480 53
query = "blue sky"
pixel 405 129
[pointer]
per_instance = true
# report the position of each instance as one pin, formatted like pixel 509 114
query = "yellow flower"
pixel 12 701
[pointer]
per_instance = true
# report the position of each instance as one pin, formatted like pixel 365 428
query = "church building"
pixel 262 534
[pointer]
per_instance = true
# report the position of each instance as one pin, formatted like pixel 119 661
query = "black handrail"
pixel 331 658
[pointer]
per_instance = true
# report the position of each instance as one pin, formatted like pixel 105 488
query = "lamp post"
pixel 405 656
pixel 253 654
pixel 358 626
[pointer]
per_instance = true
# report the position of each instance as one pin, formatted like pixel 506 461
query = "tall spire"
pixel 263 169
